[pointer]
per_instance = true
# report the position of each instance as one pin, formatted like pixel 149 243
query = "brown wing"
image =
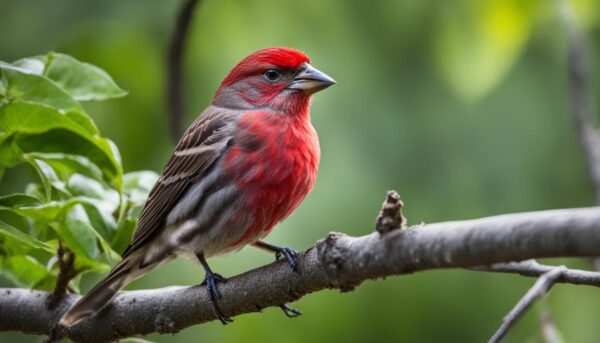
pixel 199 148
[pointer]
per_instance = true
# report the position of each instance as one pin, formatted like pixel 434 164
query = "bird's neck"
pixel 295 105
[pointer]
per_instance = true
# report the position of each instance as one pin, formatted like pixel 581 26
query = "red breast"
pixel 274 159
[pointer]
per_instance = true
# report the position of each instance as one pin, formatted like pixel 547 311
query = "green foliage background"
pixel 461 106
pixel 82 199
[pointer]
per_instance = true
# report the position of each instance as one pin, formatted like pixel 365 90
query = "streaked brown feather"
pixel 210 129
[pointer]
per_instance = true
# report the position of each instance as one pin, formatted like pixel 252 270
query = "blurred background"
pixel 461 106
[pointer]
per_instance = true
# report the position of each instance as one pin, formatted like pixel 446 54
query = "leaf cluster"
pixel 80 197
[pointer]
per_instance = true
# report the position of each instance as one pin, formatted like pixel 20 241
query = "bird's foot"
pixel 291 256
pixel 210 281
pixel 290 311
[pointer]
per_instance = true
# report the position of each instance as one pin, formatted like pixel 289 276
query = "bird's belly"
pixel 263 187
pixel 243 224
pixel 248 218
pixel 269 201
pixel 197 235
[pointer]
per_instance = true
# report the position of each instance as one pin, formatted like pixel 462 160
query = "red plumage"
pixel 275 179
pixel 282 57
pixel 244 165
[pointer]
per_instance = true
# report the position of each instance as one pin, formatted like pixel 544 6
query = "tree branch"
pixel 589 138
pixel 66 272
pixel 175 86
pixel 337 261
pixel 538 290
pixel 577 70
pixel 534 269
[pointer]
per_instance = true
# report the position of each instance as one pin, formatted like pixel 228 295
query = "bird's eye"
pixel 272 75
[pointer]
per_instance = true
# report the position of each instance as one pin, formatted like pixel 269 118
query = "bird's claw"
pixel 290 311
pixel 291 256
pixel 217 311
pixel 210 281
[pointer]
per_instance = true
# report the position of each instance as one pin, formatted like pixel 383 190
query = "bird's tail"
pixel 99 296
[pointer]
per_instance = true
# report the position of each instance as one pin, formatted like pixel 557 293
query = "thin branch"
pixel 548 329
pixel 589 138
pixel 175 82
pixel 337 261
pixel 66 272
pixel 538 290
pixel 534 269
pixel 578 70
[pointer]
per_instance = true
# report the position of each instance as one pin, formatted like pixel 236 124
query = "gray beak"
pixel 311 80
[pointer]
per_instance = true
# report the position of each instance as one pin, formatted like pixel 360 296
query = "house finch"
pixel 244 165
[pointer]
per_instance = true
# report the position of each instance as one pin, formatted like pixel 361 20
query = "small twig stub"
pixel 336 262
pixel 390 217
pixel 66 272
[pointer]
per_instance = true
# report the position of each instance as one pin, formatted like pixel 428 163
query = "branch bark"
pixel 337 261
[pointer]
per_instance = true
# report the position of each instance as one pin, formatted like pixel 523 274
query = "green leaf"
pixel 76 281
pixel 2 89
pixel 84 265
pixel 70 221
pixel 53 211
pixel 27 272
pixel 81 80
pixel 85 186
pixel 49 179
pixel 38 128
pixel 47 212
pixel 84 121
pixel 35 88
pixel 18 200
pixel 30 118
pixel 30 65
pixel 66 165
pixel 137 185
pixel 10 153
pixel 123 235
pixel 79 195
pixel 101 203
pixel 34 190
pixel 79 235
pixel 101 221
pixel 76 233
pixel 13 236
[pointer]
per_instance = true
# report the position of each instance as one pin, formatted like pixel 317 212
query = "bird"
pixel 245 164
